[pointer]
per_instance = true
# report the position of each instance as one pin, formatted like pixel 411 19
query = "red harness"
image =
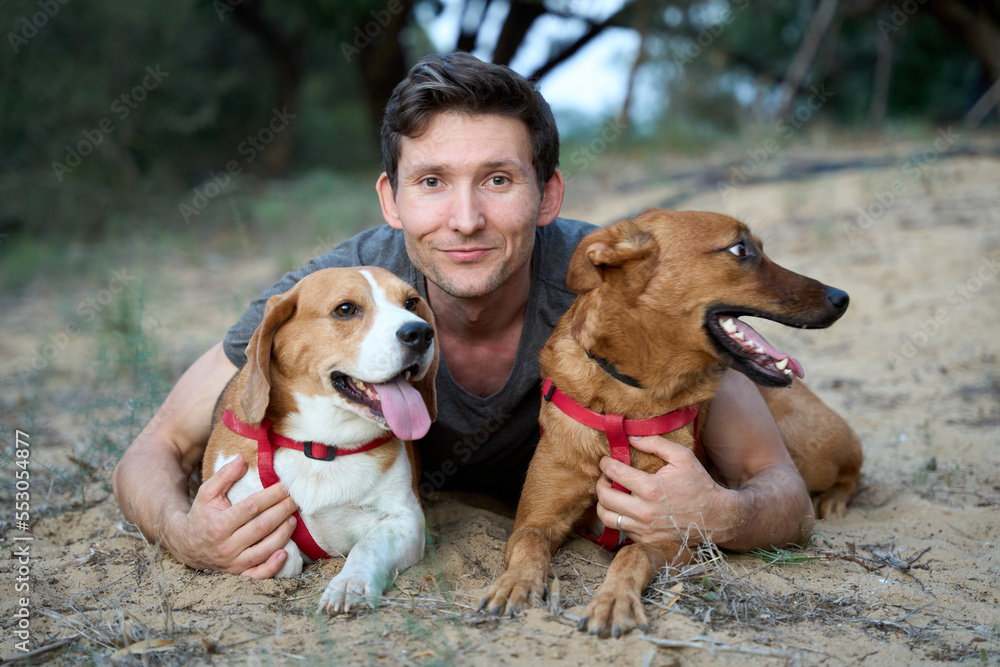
pixel 267 442
pixel 618 428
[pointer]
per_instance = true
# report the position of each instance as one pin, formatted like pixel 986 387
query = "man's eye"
pixel 740 250
pixel 432 182
pixel 345 309
pixel 499 180
pixel 411 304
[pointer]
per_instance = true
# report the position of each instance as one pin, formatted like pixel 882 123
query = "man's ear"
pixel 623 253
pixel 552 199
pixel 387 199
pixel 257 387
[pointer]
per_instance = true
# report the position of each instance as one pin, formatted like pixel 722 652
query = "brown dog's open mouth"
pixel 395 402
pixel 748 352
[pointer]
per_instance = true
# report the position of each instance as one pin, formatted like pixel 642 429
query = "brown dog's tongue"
pixel 404 409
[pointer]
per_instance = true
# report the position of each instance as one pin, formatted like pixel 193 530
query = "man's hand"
pixel 245 538
pixel 763 502
pixel 680 502
pixel 151 485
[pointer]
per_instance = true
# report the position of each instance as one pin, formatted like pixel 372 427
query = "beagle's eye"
pixel 345 309
pixel 740 250
pixel 411 303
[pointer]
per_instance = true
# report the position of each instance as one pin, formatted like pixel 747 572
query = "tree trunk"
pixel 883 76
pixel 519 19
pixel 642 19
pixel 466 39
pixel 799 68
pixel 383 66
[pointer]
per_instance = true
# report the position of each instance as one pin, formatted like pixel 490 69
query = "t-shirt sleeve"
pixel 235 342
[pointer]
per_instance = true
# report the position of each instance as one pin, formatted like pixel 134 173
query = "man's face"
pixel 468 202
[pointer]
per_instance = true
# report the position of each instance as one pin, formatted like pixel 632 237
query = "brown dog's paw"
pixel 831 504
pixel 513 592
pixel 614 613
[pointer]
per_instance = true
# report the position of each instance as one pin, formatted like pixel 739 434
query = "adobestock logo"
pixel 583 157
pixel 87 311
pixel 372 29
pixel 884 200
pixel 29 28
pixel 249 149
pixel 960 296
pixel 122 106
pixel 785 127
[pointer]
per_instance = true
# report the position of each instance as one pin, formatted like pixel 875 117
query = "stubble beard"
pixel 482 287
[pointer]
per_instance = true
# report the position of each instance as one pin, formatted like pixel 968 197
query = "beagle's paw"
pixel 613 613
pixel 514 591
pixel 293 566
pixel 347 592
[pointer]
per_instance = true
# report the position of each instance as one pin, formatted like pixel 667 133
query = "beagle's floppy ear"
pixel 257 386
pixel 426 385
pixel 603 254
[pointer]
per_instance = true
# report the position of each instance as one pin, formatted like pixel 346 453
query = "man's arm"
pixel 151 485
pixel 766 503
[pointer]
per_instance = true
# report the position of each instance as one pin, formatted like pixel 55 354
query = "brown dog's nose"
pixel 838 298
pixel 417 335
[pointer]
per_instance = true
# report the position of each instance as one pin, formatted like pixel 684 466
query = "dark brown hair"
pixel 461 82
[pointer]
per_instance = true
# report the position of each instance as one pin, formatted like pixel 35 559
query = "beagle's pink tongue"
pixel 404 409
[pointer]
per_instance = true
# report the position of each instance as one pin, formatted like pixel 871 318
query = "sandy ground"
pixel 909 576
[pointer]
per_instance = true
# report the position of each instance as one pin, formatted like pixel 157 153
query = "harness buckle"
pixel 331 452
pixel 547 395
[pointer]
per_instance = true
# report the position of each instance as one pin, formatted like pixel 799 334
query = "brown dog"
pixel 653 325
pixel 339 381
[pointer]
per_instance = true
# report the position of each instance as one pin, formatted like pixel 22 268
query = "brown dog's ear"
pixel 257 387
pixel 426 385
pixel 603 251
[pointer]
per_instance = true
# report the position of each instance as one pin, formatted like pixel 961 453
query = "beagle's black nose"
pixel 417 335
pixel 837 298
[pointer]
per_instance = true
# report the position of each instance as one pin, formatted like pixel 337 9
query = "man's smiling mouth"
pixel 466 254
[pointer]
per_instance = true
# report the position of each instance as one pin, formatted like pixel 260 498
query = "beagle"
pixel 339 381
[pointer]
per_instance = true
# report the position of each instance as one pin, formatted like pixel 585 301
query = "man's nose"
pixel 466 214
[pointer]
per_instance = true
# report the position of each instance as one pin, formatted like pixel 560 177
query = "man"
pixel 470 194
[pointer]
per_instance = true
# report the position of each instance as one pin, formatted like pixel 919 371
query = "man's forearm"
pixel 772 509
pixel 151 480
pixel 151 487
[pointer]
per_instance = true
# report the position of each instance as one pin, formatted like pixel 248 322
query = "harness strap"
pixel 267 443
pixel 618 428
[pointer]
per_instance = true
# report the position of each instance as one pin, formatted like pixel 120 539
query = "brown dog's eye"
pixel 345 309
pixel 411 304
pixel 740 250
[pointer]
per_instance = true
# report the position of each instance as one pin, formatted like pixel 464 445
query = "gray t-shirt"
pixel 476 444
